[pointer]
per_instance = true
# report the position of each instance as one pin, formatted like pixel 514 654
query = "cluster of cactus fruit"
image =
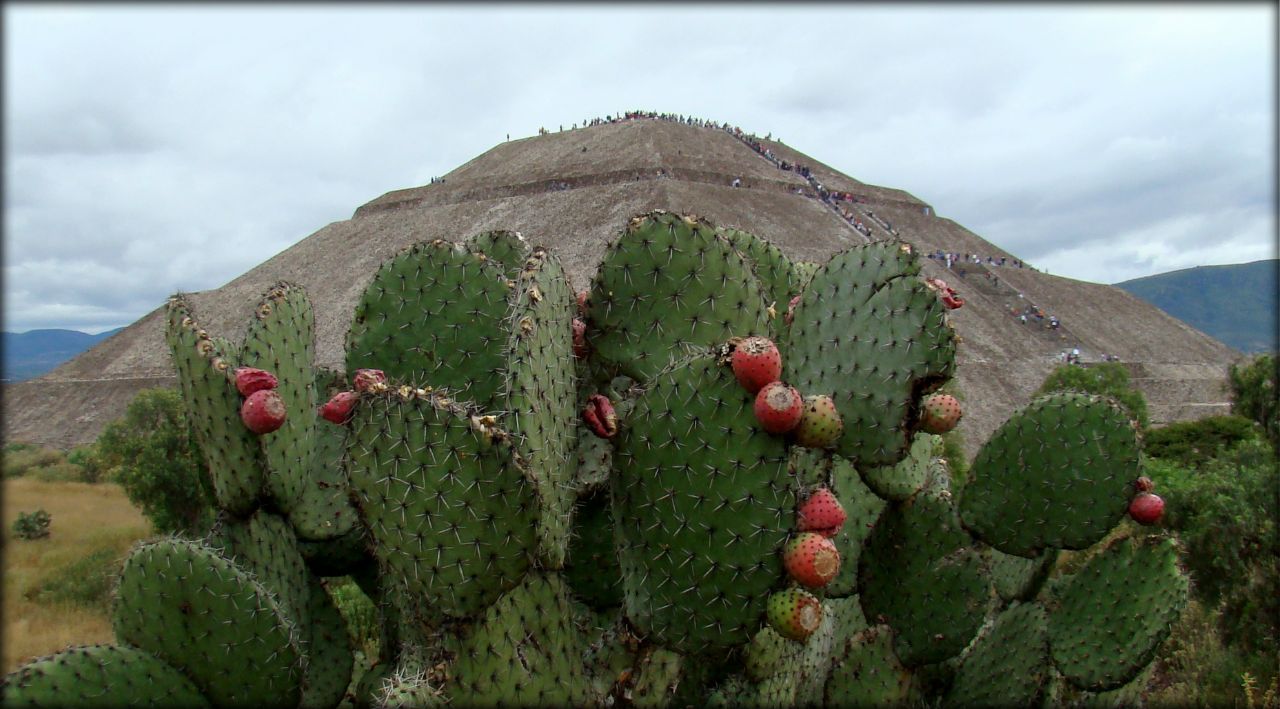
pixel 623 497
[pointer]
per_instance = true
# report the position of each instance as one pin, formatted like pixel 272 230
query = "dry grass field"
pixel 87 521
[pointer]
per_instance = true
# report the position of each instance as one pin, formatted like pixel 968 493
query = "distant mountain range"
pixel 30 354
pixel 1235 304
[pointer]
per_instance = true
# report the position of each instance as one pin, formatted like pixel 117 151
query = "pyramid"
pixel 573 192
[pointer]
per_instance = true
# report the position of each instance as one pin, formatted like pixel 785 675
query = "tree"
pixel 1106 379
pixel 1254 392
pixel 155 458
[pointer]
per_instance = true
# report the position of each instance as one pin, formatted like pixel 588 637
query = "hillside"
pixel 1234 303
pixel 574 191
pixel 35 352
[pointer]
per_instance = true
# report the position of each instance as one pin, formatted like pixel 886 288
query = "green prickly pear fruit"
pixel 263 411
pixel 794 613
pixel 820 424
pixel 756 362
pixel 811 559
pixel 821 513
pixel 251 379
pixel 939 413
pixel 778 407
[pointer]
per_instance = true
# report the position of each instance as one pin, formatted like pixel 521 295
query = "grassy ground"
pixel 56 588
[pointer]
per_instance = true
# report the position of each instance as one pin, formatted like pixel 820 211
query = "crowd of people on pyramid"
pixel 838 202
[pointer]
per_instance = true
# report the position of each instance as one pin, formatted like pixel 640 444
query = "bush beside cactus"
pixel 518 557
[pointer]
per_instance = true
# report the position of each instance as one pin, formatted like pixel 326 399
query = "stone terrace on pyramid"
pixel 573 191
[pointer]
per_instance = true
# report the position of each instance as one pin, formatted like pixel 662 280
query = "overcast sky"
pixel 157 148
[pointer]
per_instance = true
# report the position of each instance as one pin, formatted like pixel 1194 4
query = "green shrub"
pixel 1106 379
pixel 1195 667
pixel 93 468
pixel 1225 513
pixel 1194 443
pixel 33 525
pixel 153 455
pixel 1255 392
pixel 18 463
pixel 88 581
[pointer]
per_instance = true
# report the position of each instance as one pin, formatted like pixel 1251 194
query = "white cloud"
pixel 178 146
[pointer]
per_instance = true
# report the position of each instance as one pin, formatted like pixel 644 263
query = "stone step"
pixel 1177 391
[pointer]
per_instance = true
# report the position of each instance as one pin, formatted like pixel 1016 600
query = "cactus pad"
pixel 435 315
pixel 281 340
pixel 666 284
pixel 1114 613
pixel 867 672
pixel 702 505
pixel 871 335
pixel 863 508
pixel 445 498
pixel 919 572
pixel 1056 474
pixel 188 605
pixel 204 366
pixel 106 676
pixel 1008 665
pixel 506 249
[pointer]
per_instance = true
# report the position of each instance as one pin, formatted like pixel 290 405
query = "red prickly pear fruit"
pixel 249 380
pixel 600 416
pixel 1146 508
pixel 821 513
pixel 791 310
pixel 939 413
pixel 756 362
pixel 778 407
pixel 811 559
pixel 584 302
pixel 580 348
pixel 365 379
pixel 820 423
pixel 338 409
pixel 794 613
pixel 1144 484
pixel 263 411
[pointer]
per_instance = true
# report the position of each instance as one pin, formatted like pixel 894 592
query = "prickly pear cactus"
pixel 659 555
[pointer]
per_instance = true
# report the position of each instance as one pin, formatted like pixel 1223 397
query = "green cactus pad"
pixel 702 504
pixel 901 480
pixel 264 546
pixel 862 508
pixel 591 569
pixel 920 573
pixel 594 458
pixel 281 340
pixel 668 284
pixel 1114 613
pixel 193 608
pixel 809 467
pixel 435 315
pixel 1018 578
pixel 776 273
pixel 867 672
pixel 871 335
pixel 447 502
pixel 105 676
pixel 205 367
pixel 1056 474
pixel 506 249
pixel 330 660
pixel 542 393
pixel 324 510
pixel 527 650
pixel 1007 666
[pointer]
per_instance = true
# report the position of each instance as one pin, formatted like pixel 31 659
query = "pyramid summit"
pixel 573 191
